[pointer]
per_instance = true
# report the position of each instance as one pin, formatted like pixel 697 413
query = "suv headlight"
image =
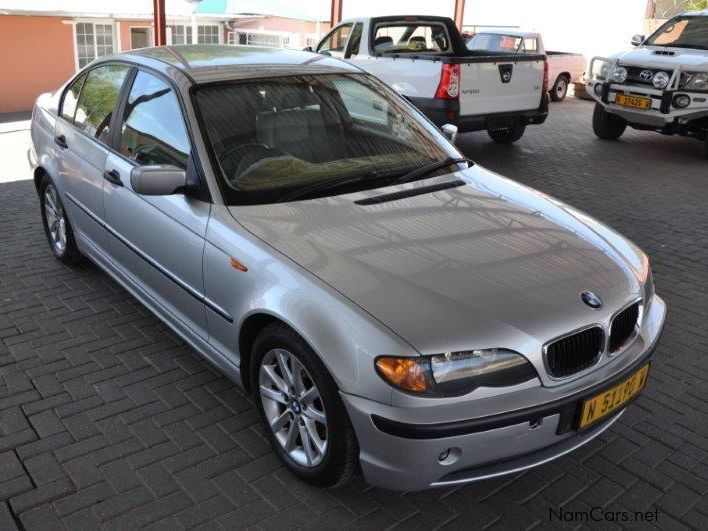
pixel 455 373
pixel 619 74
pixel 694 80
pixel 661 79
pixel 600 70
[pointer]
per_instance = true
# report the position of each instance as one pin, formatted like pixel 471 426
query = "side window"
pixel 355 40
pixel 98 101
pixel 71 98
pixel 530 45
pixel 335 41
pixel 153 131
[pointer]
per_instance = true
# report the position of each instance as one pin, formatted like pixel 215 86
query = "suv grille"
pixel 634 75
pixel 574 353
pixel 622 326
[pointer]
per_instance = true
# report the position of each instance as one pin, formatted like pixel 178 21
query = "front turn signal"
pixel 405 373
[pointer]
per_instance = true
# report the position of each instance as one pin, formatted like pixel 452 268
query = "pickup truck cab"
pixel 425 59
pixel 661 85
pixel 563 67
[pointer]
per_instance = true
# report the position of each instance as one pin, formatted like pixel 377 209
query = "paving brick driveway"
pixel 107 418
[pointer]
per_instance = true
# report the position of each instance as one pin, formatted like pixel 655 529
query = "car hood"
pixel 487 264
pixel 655 56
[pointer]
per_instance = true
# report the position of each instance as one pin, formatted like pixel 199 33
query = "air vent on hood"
pixel 395 196
pixel 664 52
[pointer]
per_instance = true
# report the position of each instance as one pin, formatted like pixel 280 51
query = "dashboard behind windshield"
pixel 682 32
pixel 271 137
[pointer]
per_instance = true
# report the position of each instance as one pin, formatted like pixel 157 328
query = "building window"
pixel 93 41
pixel 311 41
pixel 267 40
pixel 208 34
pixel 181 34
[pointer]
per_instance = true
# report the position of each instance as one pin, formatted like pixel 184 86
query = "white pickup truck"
pixel 661 85
pixel 563 67
pixel 424 58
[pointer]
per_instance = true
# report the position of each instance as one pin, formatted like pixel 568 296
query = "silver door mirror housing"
pixel 637 39
pixel 450 132
pixel 157 180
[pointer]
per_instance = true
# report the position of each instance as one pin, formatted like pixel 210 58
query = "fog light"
pixel 598 89
pixel 682 101
pixel 444 455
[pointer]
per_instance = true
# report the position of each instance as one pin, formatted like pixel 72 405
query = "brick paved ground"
pixel 107 418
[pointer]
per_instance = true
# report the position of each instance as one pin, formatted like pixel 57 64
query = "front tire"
pixel 301 410
pixel 508 135
pixel 605 125
pixel 560 88
pixel 57 228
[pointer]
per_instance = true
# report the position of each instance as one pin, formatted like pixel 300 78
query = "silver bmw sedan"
pixel 390 305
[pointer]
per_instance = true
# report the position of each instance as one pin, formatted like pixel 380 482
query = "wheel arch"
pixel 248 332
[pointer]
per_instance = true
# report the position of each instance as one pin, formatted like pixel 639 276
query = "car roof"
pixel 205 63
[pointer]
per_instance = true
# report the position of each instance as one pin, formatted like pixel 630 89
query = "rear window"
pixel 497 42
pixel 411 37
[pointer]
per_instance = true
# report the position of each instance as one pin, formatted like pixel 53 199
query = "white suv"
pixel 662 85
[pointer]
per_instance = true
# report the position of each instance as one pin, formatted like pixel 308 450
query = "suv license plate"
pixel 633 101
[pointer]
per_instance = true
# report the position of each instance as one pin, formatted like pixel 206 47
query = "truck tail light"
pixel 449 87
pixel 545 75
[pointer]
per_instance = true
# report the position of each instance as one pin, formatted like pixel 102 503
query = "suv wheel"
pixel 560 88
pixel 605 125
pixel 303 414
pixel 59 233
pixel 508 135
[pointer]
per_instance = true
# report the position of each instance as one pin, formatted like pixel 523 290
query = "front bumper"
pixel 661 115
pixel 442 112
pixel 401 448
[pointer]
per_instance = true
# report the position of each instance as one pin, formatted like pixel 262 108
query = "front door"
pixel 157 241
pixel 139 38
pixel 82 135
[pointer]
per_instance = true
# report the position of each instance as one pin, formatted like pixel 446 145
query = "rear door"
pixel 492 86
pixel 82 136
pixel 157 241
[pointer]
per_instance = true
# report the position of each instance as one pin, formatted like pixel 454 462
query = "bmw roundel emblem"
pixel 592 300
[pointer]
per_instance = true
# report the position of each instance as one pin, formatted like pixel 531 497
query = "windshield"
pixel 274 138
pixel 494 42
pixel 682 32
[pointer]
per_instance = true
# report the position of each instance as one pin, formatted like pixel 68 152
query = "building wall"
pixel 37 56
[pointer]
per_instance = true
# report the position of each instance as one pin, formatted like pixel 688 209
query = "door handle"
pixel 113 177
pixel 61 141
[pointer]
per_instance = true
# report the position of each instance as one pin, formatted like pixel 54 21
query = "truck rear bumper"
pixel 448 112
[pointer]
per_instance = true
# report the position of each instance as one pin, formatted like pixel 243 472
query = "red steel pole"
pixel 160 29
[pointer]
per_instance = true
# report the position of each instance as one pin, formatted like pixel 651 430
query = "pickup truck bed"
pixel 425 59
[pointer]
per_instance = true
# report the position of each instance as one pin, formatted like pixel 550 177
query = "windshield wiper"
pixel 325 184
pixel 429 168
pixel 691 46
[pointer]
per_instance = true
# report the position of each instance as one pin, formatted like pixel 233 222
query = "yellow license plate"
pixel 611 400
pixel 633 101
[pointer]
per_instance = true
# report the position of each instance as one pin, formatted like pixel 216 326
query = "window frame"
pixel 194 165
pixel 218 33
pixel 93 23
pixel 331 32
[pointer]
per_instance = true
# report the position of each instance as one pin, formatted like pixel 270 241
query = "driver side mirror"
pixel 637 39
pixel 307 49
pixel 450 132
pixel 157 180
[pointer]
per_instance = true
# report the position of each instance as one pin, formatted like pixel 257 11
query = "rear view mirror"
pixel 450 132
pixel 157 180
pixel 637 39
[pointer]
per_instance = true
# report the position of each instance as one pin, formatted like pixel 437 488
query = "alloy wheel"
pixel 55 219
pixel 293 407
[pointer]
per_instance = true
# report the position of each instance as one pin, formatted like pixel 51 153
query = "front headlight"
pixel 661 79
pixel 600 70
pixel 694 80
pixel 456 373
pixel 619 75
